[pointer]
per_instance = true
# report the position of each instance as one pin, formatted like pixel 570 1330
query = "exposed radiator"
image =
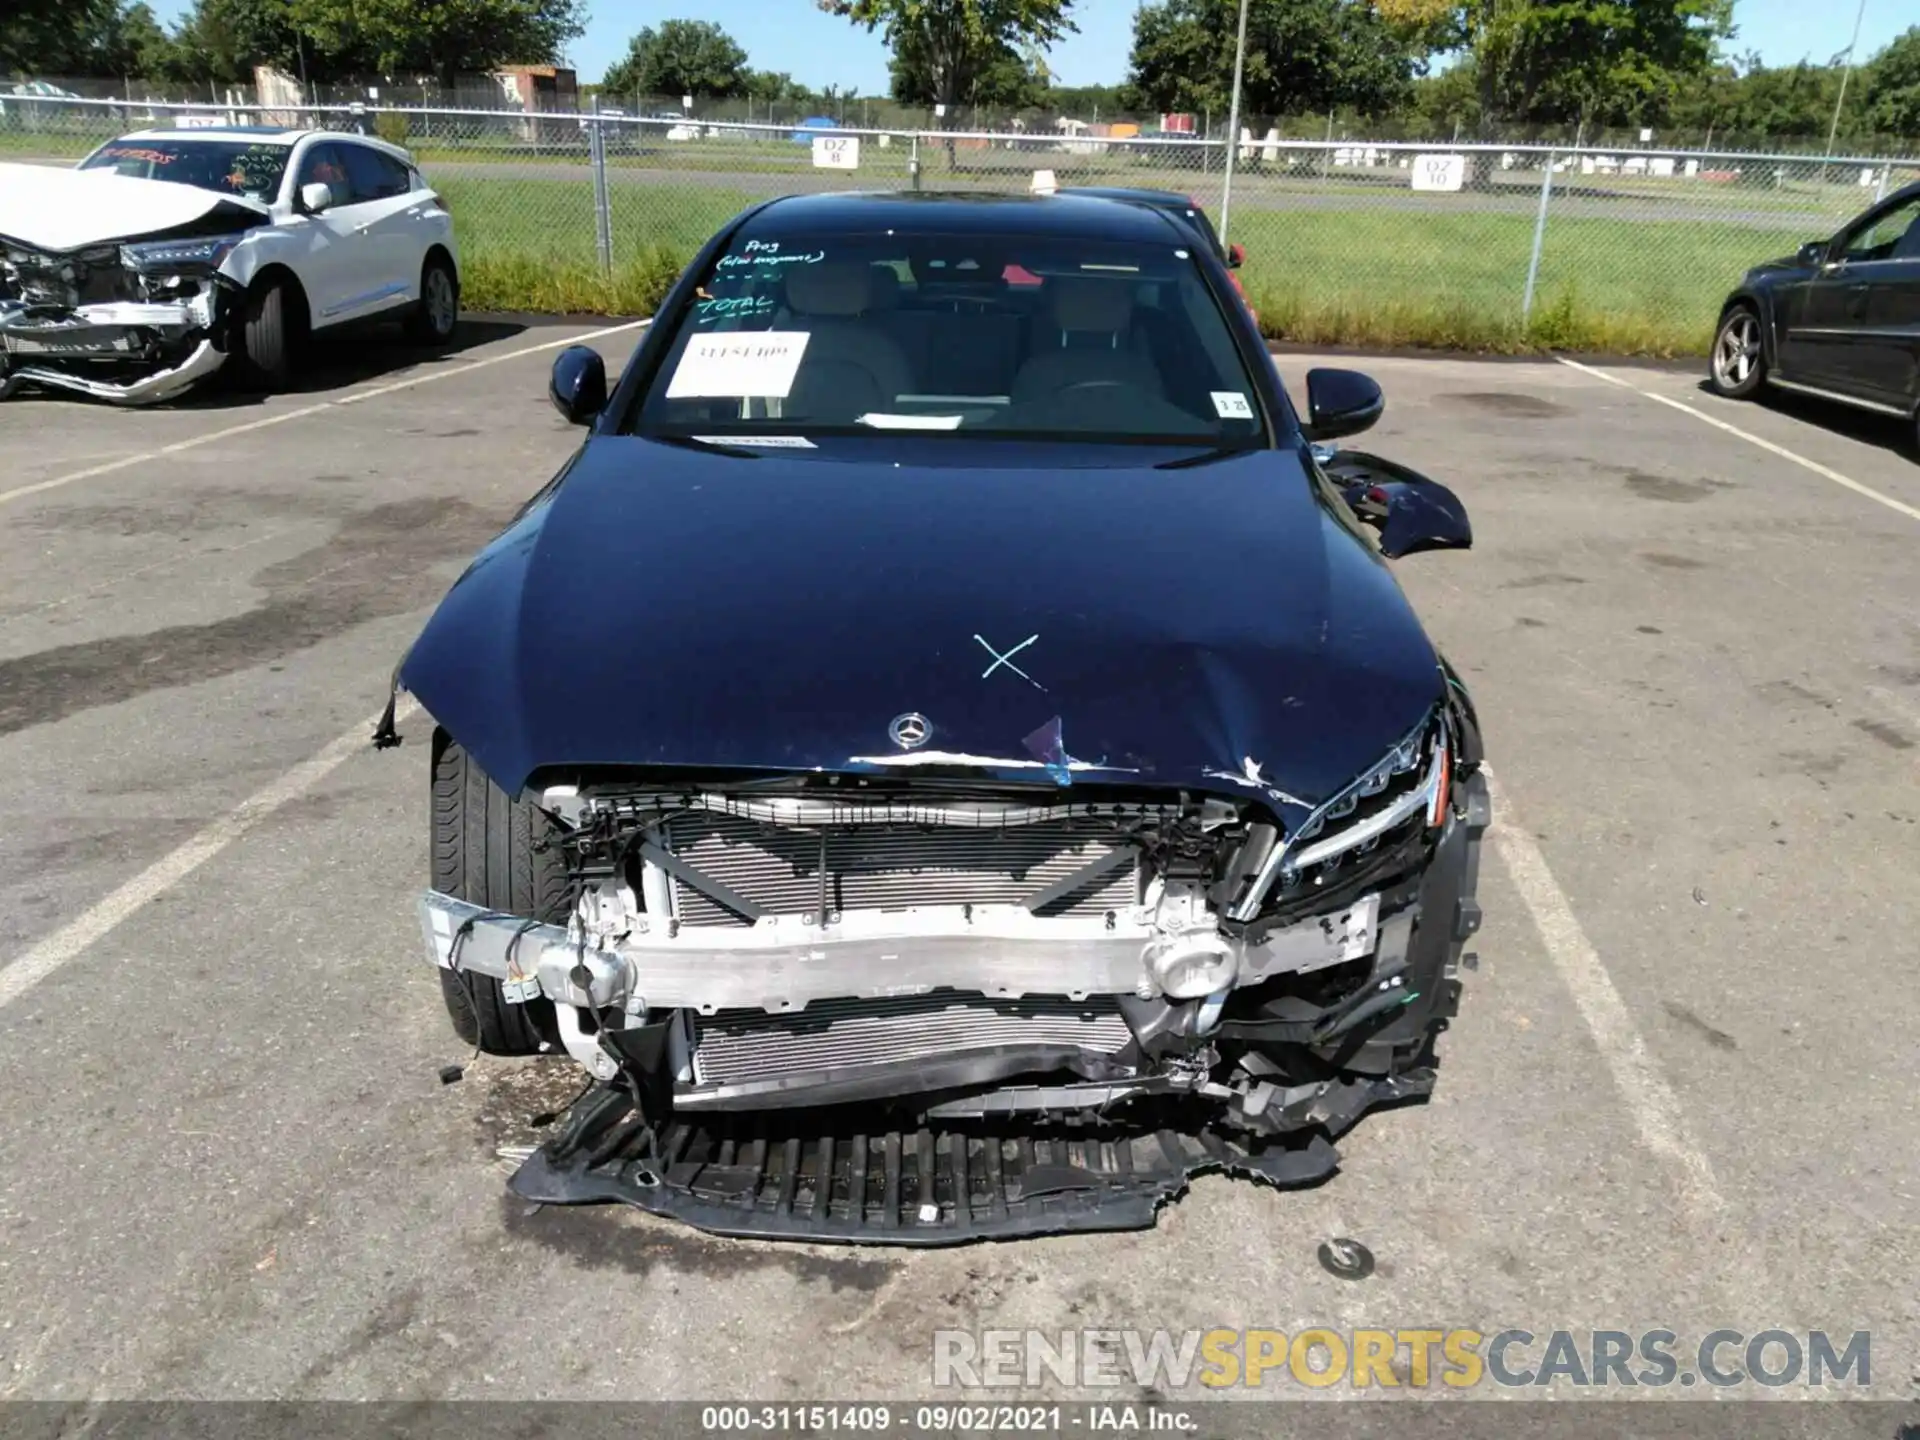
pixel 889 867
pixel 737 1046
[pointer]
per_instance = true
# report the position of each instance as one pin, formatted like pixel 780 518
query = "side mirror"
pixel 1341 402
pixel 579 384
pixel 315 196
pixel 1236 256
pixel 1411 512
pixel 1814 252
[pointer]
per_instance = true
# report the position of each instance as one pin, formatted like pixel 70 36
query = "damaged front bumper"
pixel 126 352
pixel 926 1077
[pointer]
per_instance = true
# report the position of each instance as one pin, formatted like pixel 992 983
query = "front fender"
pixel 464 666
pixel 273 245
pixel 1760 299
pixel 256 250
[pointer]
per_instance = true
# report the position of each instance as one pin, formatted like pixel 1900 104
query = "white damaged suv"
pixel 168 254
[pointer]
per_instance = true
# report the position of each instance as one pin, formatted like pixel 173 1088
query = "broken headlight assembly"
pixel 177 257
pixel 1410 784
pixel 176 270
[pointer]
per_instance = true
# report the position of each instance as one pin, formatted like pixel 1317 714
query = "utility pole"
pixel 1233 120
pixel 1845 75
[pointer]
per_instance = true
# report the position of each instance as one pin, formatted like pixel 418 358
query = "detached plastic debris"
pixel 450 1074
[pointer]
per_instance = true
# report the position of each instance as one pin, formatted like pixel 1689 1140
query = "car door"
pixel 1833 341
pixel 384 208
pixel 1889 359
pixel 324 253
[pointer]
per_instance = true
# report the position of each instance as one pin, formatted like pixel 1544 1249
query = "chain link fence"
pixel 1349 241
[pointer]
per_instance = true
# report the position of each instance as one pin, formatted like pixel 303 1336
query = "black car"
pixel 945 754
pixel 1840 319
pixel 1185 207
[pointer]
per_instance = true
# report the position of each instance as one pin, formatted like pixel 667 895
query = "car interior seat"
pixel 1095 342
pixel 851 364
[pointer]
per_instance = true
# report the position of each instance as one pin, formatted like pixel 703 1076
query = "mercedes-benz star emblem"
pixel 910 732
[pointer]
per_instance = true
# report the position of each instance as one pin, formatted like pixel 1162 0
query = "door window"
pixel 1892 234
pixel 374 176
pixel 323 164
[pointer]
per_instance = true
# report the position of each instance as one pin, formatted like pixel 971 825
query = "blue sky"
pixel 818 49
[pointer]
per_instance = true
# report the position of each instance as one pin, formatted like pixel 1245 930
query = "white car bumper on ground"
pixel 131 353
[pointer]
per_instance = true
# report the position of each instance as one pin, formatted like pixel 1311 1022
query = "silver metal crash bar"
pixel 785 962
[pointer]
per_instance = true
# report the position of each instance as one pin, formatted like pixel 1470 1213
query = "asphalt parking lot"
pixel 1680 1092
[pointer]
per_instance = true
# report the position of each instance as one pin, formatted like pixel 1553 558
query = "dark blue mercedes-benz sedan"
pixel 948 754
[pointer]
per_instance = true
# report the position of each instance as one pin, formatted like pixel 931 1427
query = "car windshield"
pixel 1003 336
pixel 231 167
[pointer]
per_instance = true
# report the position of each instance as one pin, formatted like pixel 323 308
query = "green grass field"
pixel 1458 281
pixel 41 146
pixel 1360 277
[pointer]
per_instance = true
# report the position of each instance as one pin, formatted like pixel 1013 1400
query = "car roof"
pixel 935 213
pixel 1166 199
pixel 269 134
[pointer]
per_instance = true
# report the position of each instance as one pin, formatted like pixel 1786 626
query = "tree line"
pixel 318 40
pixel 1431 67
pixel 1428 67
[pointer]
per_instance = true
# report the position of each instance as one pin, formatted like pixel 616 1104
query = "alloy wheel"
pixel 440 301
pixel 1736 355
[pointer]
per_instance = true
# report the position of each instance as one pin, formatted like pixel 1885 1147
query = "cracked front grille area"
pixel 890 867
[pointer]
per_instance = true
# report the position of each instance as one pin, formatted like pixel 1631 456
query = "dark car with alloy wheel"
pixel 948 755
pixel 1839 319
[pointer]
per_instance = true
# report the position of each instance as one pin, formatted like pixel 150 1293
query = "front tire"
pixel 266 336
pixel 1738 367
pixel 486 851
pixel 437 311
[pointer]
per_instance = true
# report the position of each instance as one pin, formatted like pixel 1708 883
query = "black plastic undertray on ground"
pixel 761 1175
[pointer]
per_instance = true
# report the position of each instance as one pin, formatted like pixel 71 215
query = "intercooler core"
pixel 891 867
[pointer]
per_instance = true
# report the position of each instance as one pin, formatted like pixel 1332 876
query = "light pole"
pixel 1853 48
pixel 1233 120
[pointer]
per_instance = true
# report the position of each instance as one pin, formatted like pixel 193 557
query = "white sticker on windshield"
pixel 765 442
pixel 879 420
pixel 756 363
pixel 1231 405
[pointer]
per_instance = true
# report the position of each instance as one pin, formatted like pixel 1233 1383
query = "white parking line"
pixel 1651 1101
pixel 462 367
pixel 72 939
pixel 1823 471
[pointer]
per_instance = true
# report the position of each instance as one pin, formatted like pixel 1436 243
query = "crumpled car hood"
pixel 48 208
pixel 1213 627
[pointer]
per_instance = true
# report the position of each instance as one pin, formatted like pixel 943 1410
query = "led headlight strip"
pixel 177 256
pixel 1303 848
